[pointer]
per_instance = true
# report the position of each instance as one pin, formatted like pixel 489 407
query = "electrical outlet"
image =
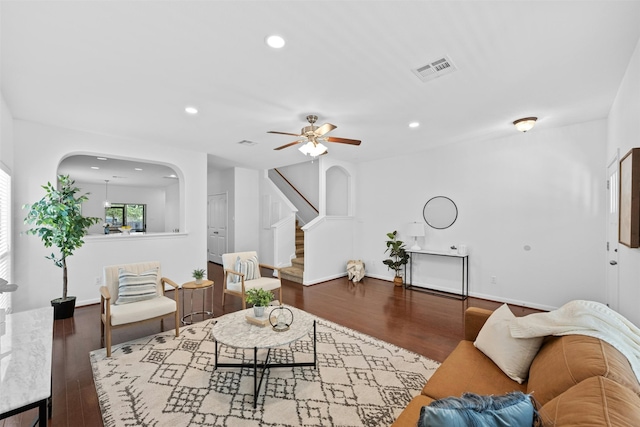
pixel 98 281
pixel 494 280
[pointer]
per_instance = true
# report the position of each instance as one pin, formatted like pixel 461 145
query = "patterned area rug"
pixel 162 380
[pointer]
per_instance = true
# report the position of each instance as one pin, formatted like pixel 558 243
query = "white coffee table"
pixel 233 330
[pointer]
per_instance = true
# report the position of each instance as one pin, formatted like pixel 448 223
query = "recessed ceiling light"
pixel 101 158
pixel 275 41
pixel 137 169
pixel 191 110
pixel 414 124
pixel 94 167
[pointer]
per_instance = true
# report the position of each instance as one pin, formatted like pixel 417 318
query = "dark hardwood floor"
pixel 426 324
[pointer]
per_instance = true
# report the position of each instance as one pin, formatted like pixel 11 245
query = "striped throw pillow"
pixel 134 287
pixel 249 267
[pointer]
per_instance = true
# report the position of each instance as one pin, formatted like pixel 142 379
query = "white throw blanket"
pixel 584 318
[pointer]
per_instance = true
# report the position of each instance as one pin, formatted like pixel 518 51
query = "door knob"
pixel 612 262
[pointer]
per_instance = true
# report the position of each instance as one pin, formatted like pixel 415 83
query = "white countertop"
pixel 26 341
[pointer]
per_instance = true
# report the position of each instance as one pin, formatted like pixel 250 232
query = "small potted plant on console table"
pixel 398 256
pixel 260 299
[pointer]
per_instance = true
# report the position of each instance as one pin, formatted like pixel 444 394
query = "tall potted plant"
pixel 398 256
pixel 57 219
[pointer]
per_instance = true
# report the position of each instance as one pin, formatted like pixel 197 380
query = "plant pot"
pixel 258 311
pixel 63 308
pixel 199 281
pixel 397 281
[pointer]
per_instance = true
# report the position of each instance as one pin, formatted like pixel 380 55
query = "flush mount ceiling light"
pixel 275 41
pixel 191 110
pixel 525 124
pixel 414 124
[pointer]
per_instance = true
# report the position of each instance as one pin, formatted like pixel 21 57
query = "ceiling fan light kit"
pixel 312 136
pixel 313 150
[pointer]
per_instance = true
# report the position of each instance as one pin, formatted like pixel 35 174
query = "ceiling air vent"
pixel 247 143
pixel 435 69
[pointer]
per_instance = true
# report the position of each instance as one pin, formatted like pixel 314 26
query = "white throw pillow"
pixel 249 267
pixel 512 355
pixel 134 287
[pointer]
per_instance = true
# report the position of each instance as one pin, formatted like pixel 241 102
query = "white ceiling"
pixel 130 67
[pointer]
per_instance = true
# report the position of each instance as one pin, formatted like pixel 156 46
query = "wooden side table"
pixel 192 286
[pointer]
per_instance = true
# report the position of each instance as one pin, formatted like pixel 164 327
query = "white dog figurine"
pixel 355 270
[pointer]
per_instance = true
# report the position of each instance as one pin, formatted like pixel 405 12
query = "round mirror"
pixel 440 212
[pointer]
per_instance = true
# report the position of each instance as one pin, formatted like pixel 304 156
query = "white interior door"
pixel 612 235
pixel 217 227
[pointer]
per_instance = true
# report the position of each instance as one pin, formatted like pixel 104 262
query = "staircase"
pixel 294 273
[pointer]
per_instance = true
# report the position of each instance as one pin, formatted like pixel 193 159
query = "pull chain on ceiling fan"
pixel 314 136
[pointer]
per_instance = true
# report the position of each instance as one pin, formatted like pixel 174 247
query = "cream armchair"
pixel 240 275
pixel 136 299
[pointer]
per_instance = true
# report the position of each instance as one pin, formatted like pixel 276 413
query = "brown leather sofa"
pixel 576 380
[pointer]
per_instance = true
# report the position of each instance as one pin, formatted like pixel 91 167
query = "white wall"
pixel 305 177
pixel 276 250
pixel 544 189
pixel 40 280
pixel 338 196
pixel 172 207
pixel 624 134
pixel 6 134
pixel 246 217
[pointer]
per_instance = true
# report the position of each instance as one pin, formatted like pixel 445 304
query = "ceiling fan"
pixel 314 136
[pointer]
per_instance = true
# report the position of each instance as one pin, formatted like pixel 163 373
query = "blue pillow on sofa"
pixel 510 410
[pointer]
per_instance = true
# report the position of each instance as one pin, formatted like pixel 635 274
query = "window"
pixel 5 236
pixel 131 214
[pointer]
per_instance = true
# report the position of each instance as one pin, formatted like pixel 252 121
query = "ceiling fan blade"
pixel 325 128
pixel 284 133
pixel 343 140
pixel 287 145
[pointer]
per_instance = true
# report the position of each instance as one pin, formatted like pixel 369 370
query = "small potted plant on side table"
pixel 198 274
pixel 260 299
pixel 399 256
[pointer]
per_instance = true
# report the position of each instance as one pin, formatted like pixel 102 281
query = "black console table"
pixel 464 264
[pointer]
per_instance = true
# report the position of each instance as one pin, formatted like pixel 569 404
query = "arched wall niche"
pixel 160 187
pixel 338 193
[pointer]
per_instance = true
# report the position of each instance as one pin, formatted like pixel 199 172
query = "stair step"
pixel 298 262
pixel 299 252
pixel 293 274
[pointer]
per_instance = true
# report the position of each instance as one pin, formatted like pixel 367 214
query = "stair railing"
pixel 306 210
pixel 297 191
